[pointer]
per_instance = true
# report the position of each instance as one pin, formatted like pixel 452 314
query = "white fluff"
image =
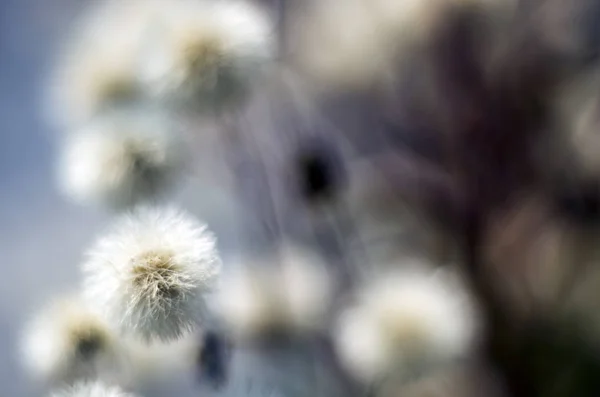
pixel 123 159
pixel 149 274
pixel 99 67
pixel 208 51
pixel 291 292
pixel 91 389
pixel 407 322
pixel 66 341
pixel 307 287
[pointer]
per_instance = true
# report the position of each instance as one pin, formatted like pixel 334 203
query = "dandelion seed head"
pixel 288 292
pixel 244 303
pixel 360 346
pixel 209 53
pixel 419 318
pixel 122 160
pixel 91 389
pixel 307 288
pixel 98 69
pixel 67 341
pixel 149 275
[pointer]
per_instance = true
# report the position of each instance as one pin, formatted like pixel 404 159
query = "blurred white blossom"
pixel 407 322
pixel 67 341
pixel 208 52
pixel 99 67
pixel 123 159
pixel 291 292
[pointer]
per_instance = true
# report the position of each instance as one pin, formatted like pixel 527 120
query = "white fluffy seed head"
pixel 99 67
pixel 67 341
pixel 406 322
pixel 122 160
pixel 208 52
pixel 91 389
pixel 149 275
pixel 289 293
pixel 307 288
pixel 360 345
pixel 244 302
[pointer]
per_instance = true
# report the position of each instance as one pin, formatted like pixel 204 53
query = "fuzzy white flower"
pixel 407 322
pixel 290 292
pixel 91 389
pixel 99 67
pixel 308 288
pixel 67 341
pixel 149 274
pixel 244 301
pixel 123 159
pixel 209 52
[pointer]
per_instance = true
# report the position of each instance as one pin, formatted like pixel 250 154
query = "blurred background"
pixel 43 236
pixel 415 135
pixel 41 233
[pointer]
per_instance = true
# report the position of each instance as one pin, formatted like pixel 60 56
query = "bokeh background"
pixel 43 236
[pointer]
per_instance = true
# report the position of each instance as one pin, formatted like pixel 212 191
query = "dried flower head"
pixel 122 160
pixel 406 323
pixel 149 275
pixel 67 341
pixel 99 68
pixel 290 294
pixel 208 52
pixel 91 389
